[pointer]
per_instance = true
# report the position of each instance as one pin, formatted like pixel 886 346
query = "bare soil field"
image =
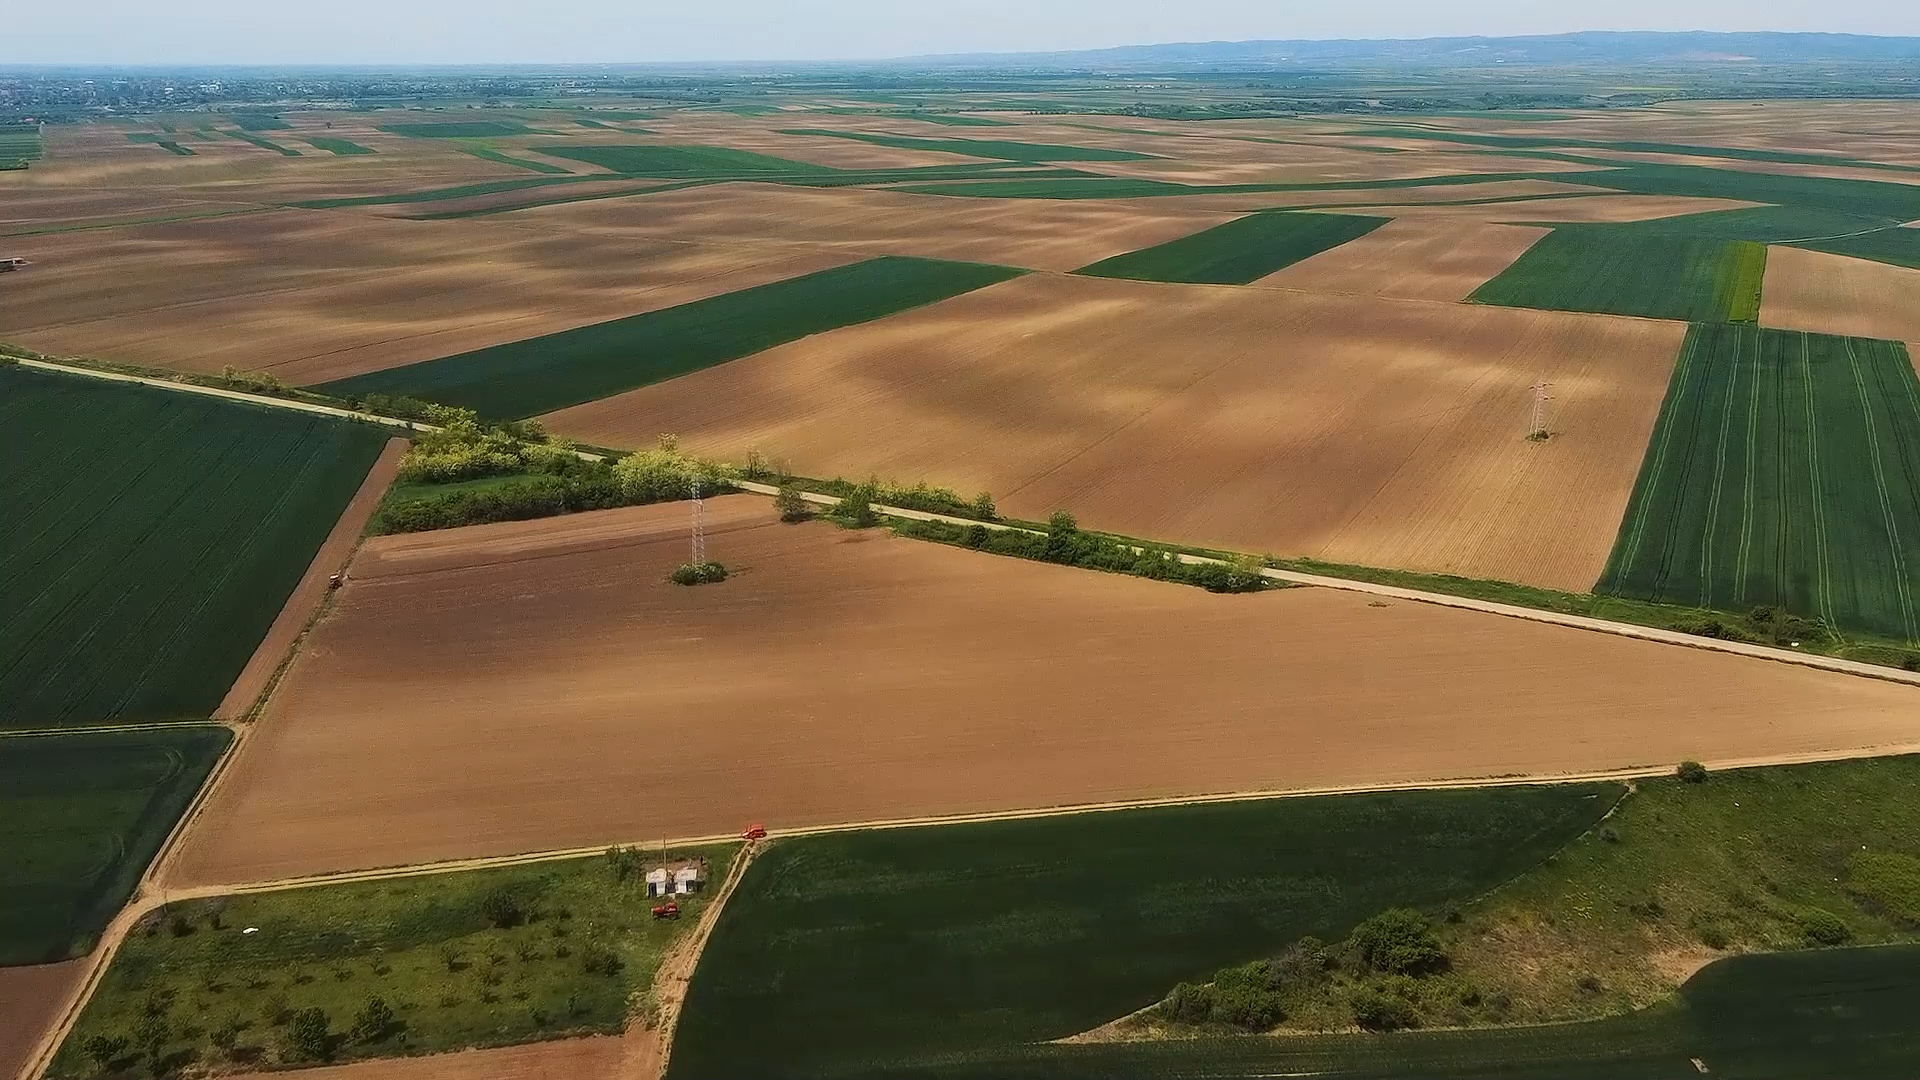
pixel 25 208
pixel 30 998
pixel 1833 294
pixel 592 1058
pixel 1600 208
pixel 1413 258
pixel 1035 233
pixel 316 295
pixel 538 685
pixel 313 587
pixel 1348 428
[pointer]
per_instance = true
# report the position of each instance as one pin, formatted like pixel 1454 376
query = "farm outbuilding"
pixel 658 881
pixel 688 879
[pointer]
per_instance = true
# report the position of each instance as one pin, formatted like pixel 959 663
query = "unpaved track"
pixel 312 589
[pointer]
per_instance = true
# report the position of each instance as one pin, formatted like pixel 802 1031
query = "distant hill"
pixel 1552 50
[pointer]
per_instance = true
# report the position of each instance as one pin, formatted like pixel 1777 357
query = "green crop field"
pixel 342 147
pixel 1243 250
pixel 20 143
pixel 461 191
pixel 1544 142
pixel 1632 271
pixel 1784 469
pixel 489 154
pixel 982 148
pixel 956 120
pixel 458 129
pixel 85 812
pixel 881 953
pixel 537 375
pixel 1871 198
pixel 480 958
pixel 261 122
pixel 152 538
pixel 681 162
pixel 262 142
pixel 1844 1014
pixel 1889 244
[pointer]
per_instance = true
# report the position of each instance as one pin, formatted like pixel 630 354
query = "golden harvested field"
pixel 536 685
pixel 1833 294
pixel 1413 259
pixel 314 295
pixel 29 999
pixel 1347 428
pixel 1036 233
pixel 593 1058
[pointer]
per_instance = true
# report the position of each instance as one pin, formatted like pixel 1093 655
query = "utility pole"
pixel 1537 430
pixel 699 526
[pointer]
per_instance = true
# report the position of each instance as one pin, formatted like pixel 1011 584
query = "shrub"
pixel 374 1022
pixel 227 1034
pixel 310 1035
pixel 1888 881
pixel 275 1011
pixel 665 474
pixel 1397 941
pixel 1375 1009
pixel 1188 1004
pixel 855 509
pixel 790 505
pixel 983 507
pixel 1245 997
pixel 1691 772
pixel 1300 966
pixel 597 959
pixel 1821 927
pixel 104 1050
pixel 623 862
pixel 502 909
pixel 150 1035
pixel 705 573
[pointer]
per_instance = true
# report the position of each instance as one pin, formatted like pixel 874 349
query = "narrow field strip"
pixel 1241 251
pixel 542 374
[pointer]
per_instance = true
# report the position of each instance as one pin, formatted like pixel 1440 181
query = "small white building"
pixel 687 880
pixel 658 881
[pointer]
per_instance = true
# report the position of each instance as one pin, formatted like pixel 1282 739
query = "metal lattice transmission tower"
pixel 699 526
pixel 1537 429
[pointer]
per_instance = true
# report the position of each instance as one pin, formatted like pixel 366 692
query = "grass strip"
pixel 981 148
pixel 85 813
pixel 342 147
pixel 682 162
pixel 470 959
pixel 539 375
pixel 462 191
pixel 261 142
pixel 1240 251
pixel 458 129
pixel 486 153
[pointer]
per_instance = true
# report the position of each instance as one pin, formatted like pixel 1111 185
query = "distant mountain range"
pixel 1551 50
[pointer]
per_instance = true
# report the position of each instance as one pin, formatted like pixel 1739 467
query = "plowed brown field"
pixel 1833 294
pixel 1354 429
pixel 29 999
pixel 593 1058
pixel 536 685
pixel 312 295
pixel 1414 259
pixel 1036 233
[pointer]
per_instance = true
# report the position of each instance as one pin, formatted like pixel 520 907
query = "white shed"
pixel 686 880
pixel 657 880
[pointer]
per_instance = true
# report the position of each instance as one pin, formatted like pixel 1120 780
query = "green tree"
pixel 790 505
pixel 104 1050
pixel 855 508
pixel 1691 772
pixel 375 1021
pixel 310 1035
pixel 502 909
pixel 1397 941
pixel 150 1034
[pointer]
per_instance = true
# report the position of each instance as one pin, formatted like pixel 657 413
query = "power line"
pixel 699 526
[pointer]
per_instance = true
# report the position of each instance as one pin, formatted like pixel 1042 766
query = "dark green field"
pixel 480 958
pixel 262 142
pixel 1784 469
pixel 954 120
pixel 1845 1014
pixel 983 148
pixel 524 378
pixel 488 154
pixel 1243 250
pixel 84 813
pixel 20 143
pixel 342 147
pixel 880 953
pixel 260 122
pixel 458 129
pixel 1633 271
pixel 681 162
pixel 152 538
pixel 461 191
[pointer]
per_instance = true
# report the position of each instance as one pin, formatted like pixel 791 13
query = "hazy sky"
pixel 583 31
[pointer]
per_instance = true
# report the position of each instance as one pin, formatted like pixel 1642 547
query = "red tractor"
pixel 755 831
pixel 668 910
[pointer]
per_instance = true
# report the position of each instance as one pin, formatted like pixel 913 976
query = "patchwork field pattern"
pixel 1239 251
pixel 546 373
pixel 969 940
pixel 1785 469
pixel 984 148
pixel 85 811
pixel 547 671
pixel 1627 270
pixel 154 537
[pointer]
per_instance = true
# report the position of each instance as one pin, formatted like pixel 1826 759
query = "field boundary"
pixel 335 552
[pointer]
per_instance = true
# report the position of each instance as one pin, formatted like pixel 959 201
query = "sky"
pixel 636 31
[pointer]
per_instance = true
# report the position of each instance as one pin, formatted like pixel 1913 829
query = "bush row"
pixel 1066 543
pixel 648 477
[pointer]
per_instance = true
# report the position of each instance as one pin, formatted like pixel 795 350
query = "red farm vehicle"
pixel 668 910
pixel 756 831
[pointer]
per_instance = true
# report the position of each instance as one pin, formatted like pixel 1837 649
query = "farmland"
pixel 1782 472
pixel 1622 270
pixel 510 650
pixel 1344 428
pixel 542 374
pixel 457 129
pixel 682 162
pixel 85 812
pixel 946 943
pixel 1239 251
pixel 480 958
pixel 984 148
pixel 1832 294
